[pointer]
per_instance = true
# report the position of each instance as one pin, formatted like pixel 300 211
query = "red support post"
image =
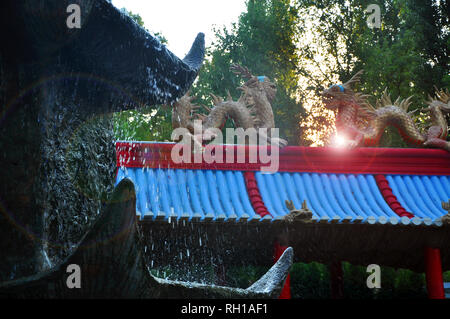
pixel 286 291
pixel 433 273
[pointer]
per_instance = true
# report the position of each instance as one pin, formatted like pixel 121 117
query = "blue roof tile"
pixel 189 193
pixel 421 195
pixel 355 197
pixel 222 195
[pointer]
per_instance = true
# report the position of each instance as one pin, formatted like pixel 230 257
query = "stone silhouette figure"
pixel 58 88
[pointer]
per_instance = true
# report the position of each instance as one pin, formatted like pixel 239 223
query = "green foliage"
pixel 446 276
pixel 312 281
pixel 244 276
pixel 135 16
pixel 355 286
pixel 146 124
pixel 395 284
pixel 409 54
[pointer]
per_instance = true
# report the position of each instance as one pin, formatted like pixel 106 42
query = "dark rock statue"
pixel 110 256
pixel 58 88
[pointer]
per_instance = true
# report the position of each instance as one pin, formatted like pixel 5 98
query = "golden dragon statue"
pixel 363 124
pixel 253 110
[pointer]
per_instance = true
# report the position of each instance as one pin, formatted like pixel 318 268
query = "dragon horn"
pixel 405 104
pixel 229 97
pixel 440 95
pixel 436 89
pixel 201 117
pixel 354 79
pixel 289 205
pixel 189 97
pixel 444 95
pixel 208 109
pixel 216 100
pixel 241 71
pixel 385 98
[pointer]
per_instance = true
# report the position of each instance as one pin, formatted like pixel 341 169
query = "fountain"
pixel 59 86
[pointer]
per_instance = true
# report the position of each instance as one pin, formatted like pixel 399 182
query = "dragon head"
pixel 260 84
pixel 441 100
pixel 263 85
pixel 339 94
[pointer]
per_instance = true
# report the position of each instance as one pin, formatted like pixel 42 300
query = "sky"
pixel 179 21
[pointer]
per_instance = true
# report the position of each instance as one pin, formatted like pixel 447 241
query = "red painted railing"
pixel 292 159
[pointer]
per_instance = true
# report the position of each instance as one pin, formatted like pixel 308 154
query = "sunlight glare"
pixel 339 141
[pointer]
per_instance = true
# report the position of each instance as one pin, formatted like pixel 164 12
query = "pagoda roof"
pixel 360 186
